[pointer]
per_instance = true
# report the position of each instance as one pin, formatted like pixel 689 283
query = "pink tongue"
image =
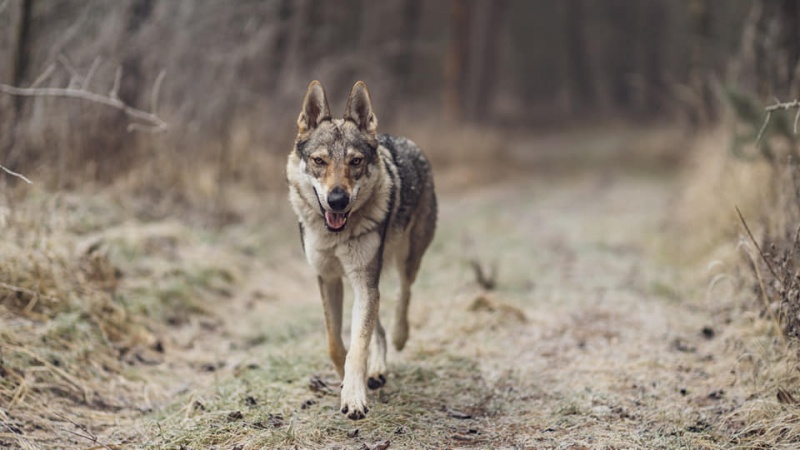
pixel 335 220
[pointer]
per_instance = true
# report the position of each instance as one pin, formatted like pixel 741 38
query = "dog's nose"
pixel 338 199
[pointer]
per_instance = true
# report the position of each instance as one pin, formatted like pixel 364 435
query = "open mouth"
pixel 335 221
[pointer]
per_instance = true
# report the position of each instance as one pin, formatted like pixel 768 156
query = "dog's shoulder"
pixel 413 172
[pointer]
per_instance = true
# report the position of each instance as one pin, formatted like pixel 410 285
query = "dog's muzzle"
pixel 338 200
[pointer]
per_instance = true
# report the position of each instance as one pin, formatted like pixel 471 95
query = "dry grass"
pixel 85 299
pixel 714 183
pixel 753 283
pixel 65 335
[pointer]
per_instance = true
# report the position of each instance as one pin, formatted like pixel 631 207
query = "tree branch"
pixel 785 106
pixel 15 174
pixel 144 121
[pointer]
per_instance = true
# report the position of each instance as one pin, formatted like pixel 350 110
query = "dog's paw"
pixel 354 411
pixel 354 401
pixel 376 381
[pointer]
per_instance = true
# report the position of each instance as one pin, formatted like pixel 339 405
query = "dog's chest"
pixel 331 259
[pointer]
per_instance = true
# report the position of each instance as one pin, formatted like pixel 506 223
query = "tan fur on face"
pixel 337 171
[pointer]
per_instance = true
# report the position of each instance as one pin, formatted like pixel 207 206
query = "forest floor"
pixel 596 335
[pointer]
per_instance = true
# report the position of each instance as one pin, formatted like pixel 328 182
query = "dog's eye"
pixel 356 161
pixel 319 161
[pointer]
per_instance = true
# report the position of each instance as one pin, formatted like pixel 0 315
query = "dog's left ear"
pixel 359 109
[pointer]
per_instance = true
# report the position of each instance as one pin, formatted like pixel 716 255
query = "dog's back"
pixel 415 209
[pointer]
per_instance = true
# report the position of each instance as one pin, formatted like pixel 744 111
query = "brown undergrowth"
pixel 66 336
pixel 739 217
pixel 87 291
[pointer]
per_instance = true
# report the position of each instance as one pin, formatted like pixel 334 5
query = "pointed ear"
pixel 359 109
pixel 315 108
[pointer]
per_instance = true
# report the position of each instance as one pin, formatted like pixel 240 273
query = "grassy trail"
pixel 589 339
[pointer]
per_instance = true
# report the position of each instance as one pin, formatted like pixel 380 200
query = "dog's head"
pixel 338 156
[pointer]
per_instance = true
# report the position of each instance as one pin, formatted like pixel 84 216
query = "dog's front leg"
pixel 332 296
pixel 363 268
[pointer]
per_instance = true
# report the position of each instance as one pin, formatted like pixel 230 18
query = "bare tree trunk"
pixel 455 60
pixel 578 70
pixel 622 54
pixel 775 51
pixel 289 45
pixel 130 89
pixel 487 15
pixel 19 69
pixel 701 69
pixel 21 56
pixel 653 71
pixel 411 18
pixel 790 43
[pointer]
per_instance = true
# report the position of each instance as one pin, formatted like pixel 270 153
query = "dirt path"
pixel 590 340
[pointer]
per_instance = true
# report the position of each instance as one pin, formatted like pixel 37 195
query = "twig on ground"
pixel 15 174
pixel 88 434
pixel 78 88
pixel 486 279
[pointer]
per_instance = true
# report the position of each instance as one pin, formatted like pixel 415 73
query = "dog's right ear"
pixel 315 108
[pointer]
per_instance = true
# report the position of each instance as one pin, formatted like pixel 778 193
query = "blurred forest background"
pixel 134 244
pixel 235 72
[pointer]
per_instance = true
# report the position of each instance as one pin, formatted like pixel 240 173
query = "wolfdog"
pixel 363 200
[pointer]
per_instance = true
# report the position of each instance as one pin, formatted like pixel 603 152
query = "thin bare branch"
pixel 779 106
pixel 144 128
pixel 15 174
pixel 114 94
pixel 79 88
pixel 763 127
pixel 73 31
pixel 69 67
pixel 156 91
pixel 90 74
pixel 783 106
pixel 44 76
pixel 796 118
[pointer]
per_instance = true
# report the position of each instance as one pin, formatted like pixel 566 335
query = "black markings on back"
pixel 412 168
